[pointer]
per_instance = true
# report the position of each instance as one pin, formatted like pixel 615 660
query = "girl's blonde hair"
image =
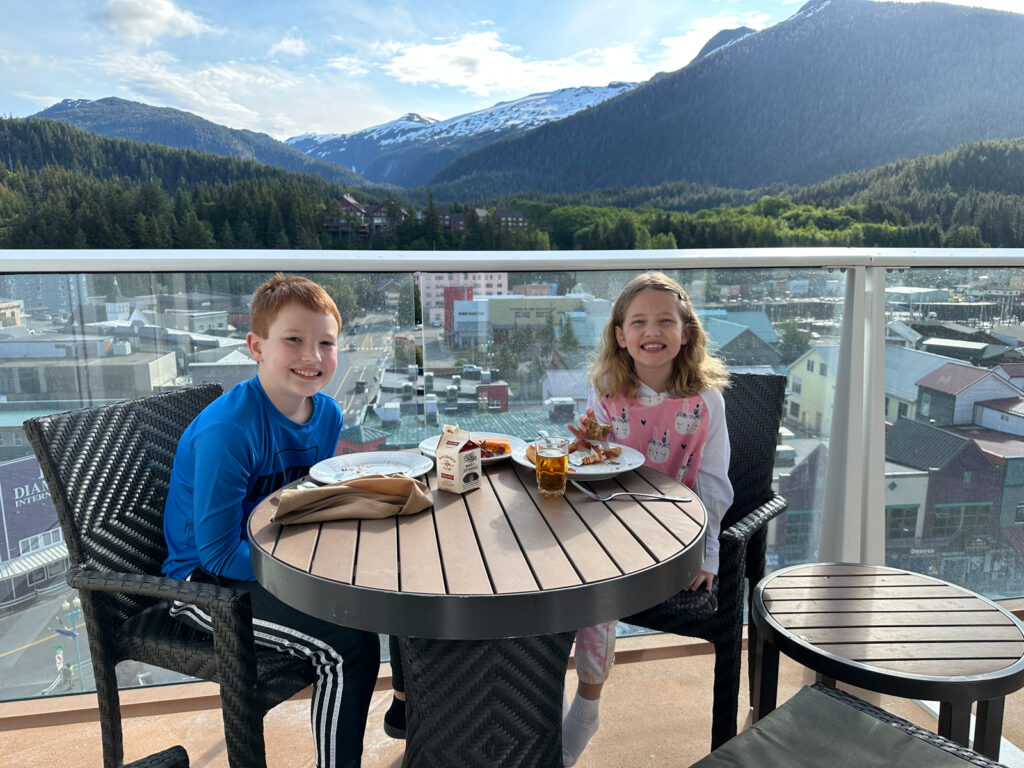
pixel 612 372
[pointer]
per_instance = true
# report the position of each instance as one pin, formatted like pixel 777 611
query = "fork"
pixel 610 496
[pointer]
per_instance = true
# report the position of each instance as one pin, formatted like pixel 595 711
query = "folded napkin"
pixel 366 497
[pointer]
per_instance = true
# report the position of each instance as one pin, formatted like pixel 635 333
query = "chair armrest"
pixel 205 596
pixel 744 529
pixel 230 612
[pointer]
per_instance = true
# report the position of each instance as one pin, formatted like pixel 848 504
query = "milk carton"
pixel 458 461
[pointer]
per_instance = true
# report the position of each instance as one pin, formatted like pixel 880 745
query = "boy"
pixel 260 435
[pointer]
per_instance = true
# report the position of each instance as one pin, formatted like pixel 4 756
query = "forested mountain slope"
pixel 843 85
pixel 113 117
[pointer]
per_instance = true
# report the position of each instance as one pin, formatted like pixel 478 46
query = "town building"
pixel 947 395
pixel 433 294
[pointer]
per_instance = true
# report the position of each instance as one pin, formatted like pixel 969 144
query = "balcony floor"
pixel 655 712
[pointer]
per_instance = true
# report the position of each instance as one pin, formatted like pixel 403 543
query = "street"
pixel 361 356
pixel 28 647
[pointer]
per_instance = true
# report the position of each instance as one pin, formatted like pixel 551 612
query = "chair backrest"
pixel 753 410
pixel 108 469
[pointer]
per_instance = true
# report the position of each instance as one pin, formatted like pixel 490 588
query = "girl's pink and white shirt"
pixel 682 437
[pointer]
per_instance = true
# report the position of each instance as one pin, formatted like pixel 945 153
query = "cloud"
pixel 238 94
pixel 292 46
pixel 144 21
pixel 680 50
pixel 481 63
pixel 219 92
pixel 351 66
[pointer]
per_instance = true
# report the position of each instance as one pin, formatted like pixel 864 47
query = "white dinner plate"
pixel 350 465
pixel 628 460
pixel 429 445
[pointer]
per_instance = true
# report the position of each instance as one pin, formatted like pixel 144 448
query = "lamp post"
pixel 72 611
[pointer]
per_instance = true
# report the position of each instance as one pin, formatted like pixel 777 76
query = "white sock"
pixel 578 726
pixel 565 704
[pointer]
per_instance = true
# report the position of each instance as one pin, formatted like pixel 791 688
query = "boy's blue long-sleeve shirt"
pixel 236 452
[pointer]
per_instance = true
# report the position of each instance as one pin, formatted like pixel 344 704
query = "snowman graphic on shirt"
pixel 620 424
pixel 657 450
pixel 687 422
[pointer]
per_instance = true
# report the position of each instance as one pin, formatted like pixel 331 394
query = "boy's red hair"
pixel 287 289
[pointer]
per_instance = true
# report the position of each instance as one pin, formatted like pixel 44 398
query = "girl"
pixel 654 382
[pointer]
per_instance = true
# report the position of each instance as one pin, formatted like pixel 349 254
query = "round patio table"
pixel 895 632
pixel 486 590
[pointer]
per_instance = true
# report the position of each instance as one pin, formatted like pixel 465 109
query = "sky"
pixel 337 66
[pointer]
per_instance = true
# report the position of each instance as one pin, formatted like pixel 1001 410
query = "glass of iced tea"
pixel 552 465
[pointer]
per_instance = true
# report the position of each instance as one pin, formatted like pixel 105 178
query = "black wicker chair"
pixel 822 725
pixel 108 469
pixel 172 757
pixel 753 409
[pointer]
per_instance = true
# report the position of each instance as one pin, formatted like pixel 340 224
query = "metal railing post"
pixel 843 502
pixel 853 512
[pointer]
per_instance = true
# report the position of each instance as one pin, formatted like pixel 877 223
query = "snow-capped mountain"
pixel 409 150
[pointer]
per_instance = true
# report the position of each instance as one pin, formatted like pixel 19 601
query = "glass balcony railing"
pixel 902 439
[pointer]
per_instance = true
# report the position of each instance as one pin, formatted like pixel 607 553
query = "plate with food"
pixel 589 459
pixel 494 446
pixel 349 465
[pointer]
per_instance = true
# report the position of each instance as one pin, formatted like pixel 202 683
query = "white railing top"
pixel 70 261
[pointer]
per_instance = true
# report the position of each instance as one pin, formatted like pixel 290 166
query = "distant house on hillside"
pixel 563 386
pixel 232 368
pixel 359 438
pixel 456 221
pixel 511 218
pixel 758 322
pixel 964 486
pixel 1004 450
pixel 812 389
pixel 955 340
pixel 350 217
pixel 903 368
pixel 947 395
pixel 380 218
pixel 1012 372
pixel 737 344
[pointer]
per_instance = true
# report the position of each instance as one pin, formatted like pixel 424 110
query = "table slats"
pixel 377 560
pixel 295 545
pixel 506 564
pixel 945 668
pixel 890 619
pixel 421 561
pixel 868 653
pixel 546 556
pixel 265 533
pixel 829 592
pixel 683 527
pixel 910 632
pixel 585 551
pixel 660 543
pixel 476 543
pixel 463 563
pixel 853 580
pixel 873 606
pixel 627 553
pixel 335 556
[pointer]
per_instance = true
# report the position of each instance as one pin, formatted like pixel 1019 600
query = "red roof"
pixel 952 378
pixel 1013 370
pixel 1014 405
